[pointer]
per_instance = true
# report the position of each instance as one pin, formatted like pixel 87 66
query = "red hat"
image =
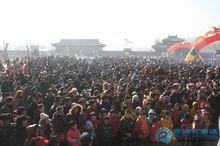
pixel 41 141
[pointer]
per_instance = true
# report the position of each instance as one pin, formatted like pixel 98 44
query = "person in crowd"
pixel 73 134
pixel 127 128
pixel 175 113
pixel 40 109
pixel 8 106
pixel 151 117
pixel 214 102
pixel 194 109
pixel 18 134
pixel 105 132
pixel 88 137
pixel 19 99
pixel 114 122
pixel 76 114
pixel 60 124
pixel 166 120
pixel 6 129
pixel 49 100
pixel 57 102
pixel 141 127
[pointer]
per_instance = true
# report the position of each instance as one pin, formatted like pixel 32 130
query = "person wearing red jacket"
pixel 175 112
pixel 114 122
pixel 155 126
pixel 141 128
pixel 73 134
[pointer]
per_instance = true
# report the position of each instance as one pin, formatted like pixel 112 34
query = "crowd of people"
pixel 106 101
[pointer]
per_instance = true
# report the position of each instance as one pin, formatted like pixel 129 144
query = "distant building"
pixel 78 47
pixel 161 46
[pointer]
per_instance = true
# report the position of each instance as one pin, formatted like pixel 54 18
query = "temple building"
pixel 79 47
pixel 161 46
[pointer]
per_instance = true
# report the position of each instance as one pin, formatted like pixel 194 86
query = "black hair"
pixel 72 123
pixel 20 119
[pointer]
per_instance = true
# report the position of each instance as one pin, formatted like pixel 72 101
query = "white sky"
pixel 142 21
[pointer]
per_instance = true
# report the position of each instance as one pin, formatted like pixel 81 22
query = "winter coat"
pixel 105 132
pixel 142 128
pixel 48 102
pixel 60 124
pixel 73 135
pixel 5 134
pixel 18 137
pixel 7 109
pixel 175 116
pixel 78 118
pixel 126 126
pixel 114 122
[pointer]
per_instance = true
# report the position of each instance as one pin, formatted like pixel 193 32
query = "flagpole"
pixel 200 57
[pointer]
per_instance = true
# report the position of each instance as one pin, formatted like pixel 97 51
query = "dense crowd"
pixel 104 101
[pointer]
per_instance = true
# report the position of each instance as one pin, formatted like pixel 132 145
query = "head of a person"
pixel 185 108
pixel 50 92
pixel 112 113
pixel 21 111
pixel 76 109
pixel 72 124
pixel 40 108
pixel 104 112
pixel 58 100
pixel 93 103
pixel 19 93
pixel 151 113
pixel 215 92
pixel 128 113
pixel 195 105
pixel 60 110
pixel 127 98
pixel 68 101
pixel 165 114
pixel 93 116
pixel 176 106
pixel 135 98
pixel 22 121
pixel 44 118
pixel 9 101
pixel 4 120
pixel 88 125
pixel 138 110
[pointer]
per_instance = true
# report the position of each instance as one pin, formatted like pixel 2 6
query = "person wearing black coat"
pixel 127 127
pixel 214 102
pixel 18 135
pixel 60 124
pixel 6 128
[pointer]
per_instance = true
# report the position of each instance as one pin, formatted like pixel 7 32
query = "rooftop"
pixel 79 42
pixel 173 38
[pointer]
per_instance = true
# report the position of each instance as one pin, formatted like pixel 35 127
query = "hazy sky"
pixel 142 21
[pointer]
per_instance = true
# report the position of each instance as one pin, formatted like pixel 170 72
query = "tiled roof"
pixel 79 42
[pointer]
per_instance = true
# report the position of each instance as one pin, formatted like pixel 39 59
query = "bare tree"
pixel 28 50
pixel 4 52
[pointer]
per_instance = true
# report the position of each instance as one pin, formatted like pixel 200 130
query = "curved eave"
pixel 60 45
